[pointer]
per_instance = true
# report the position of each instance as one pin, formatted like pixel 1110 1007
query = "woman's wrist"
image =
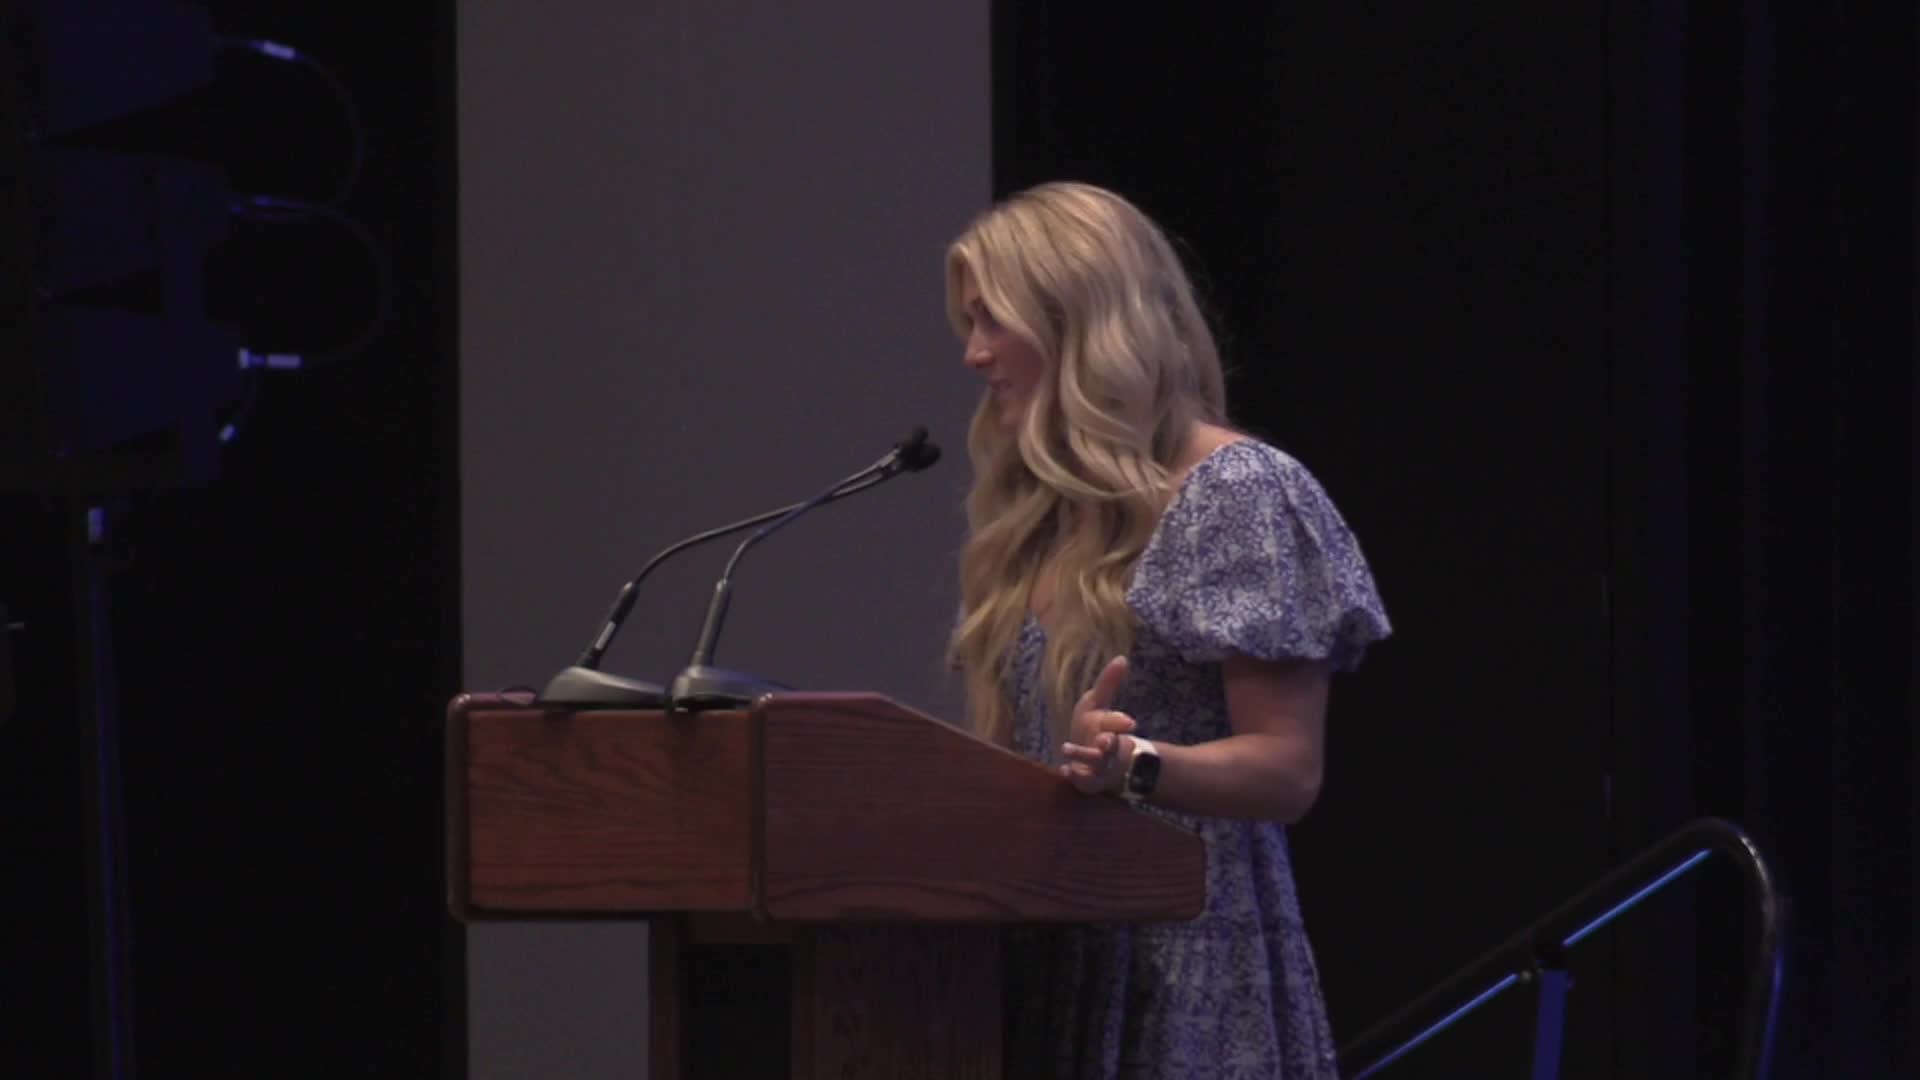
pixel 1139 769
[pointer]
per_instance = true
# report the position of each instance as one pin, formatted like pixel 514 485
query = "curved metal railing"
pixel 1536 956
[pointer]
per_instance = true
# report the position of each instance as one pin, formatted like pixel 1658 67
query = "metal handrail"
pixel 1536 955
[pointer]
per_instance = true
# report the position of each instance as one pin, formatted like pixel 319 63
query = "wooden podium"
pixel 869 852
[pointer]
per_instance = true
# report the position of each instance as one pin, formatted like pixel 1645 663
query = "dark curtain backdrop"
pixel 1597 320
pixel 286 638
pixel 1769 451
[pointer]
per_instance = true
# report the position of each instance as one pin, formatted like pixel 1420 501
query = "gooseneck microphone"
pixel 584 684
pixel 703 686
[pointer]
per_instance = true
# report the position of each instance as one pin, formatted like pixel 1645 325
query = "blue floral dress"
pixel 1250 557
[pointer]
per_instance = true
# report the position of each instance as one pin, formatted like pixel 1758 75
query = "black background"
pixel 286 637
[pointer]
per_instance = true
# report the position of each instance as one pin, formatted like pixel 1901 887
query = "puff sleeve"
pixel 1252 557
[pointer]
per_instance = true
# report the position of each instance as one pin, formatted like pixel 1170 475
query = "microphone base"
pixel 700 688
pixel 587 688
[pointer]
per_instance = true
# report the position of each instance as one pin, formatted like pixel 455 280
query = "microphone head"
pixel 922 457
pixel 916 452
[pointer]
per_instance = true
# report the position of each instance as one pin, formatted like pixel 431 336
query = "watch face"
pixel 1143 774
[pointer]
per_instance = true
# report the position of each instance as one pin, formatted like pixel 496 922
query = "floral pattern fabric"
pixel 1250 557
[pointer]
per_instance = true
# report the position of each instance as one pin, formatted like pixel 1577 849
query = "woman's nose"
pixel 976 355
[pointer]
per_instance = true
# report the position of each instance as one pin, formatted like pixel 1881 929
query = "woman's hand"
pixel 1098 751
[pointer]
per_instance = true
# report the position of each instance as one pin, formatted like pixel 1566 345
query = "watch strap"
pixel 1143 771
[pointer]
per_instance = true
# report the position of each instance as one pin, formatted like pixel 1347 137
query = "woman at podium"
pixel 1152 603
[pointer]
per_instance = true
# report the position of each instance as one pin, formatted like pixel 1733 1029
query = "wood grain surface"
pixel 876 813
pixel 608 813
pixel 896 1002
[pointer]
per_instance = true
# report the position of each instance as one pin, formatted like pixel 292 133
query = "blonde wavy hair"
pixel 1076 487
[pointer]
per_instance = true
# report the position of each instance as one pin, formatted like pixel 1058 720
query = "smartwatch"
pixel 1143 772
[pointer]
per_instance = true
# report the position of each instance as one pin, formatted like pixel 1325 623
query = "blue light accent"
pixel 1619 909
pixel 276 50
pixel 1442 1025
pixel 250 360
